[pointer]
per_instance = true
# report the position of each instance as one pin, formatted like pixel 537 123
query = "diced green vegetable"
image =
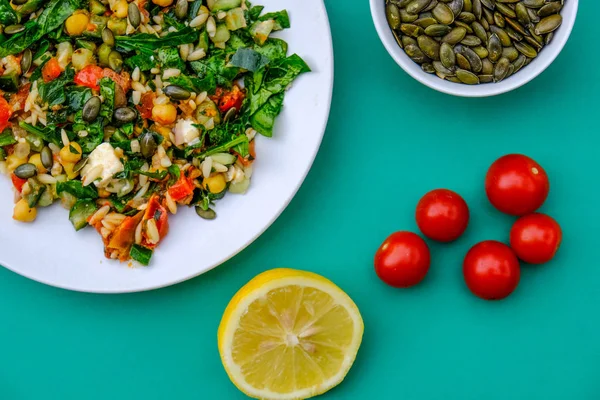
pixel 36 191
pixel 224 158
pixel 261 30
pixel 280 18
pixel 81 211
pixel 140 254
pixel 9 82
pixel 7 138
pixel 223 5
pixel 235 19
pixel 97 7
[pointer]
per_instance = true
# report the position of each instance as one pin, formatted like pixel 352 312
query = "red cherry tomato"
pixel 402 260
pixel 146 105
pixel 517 185
pixel 183 188
pixel 442 215
pixel 491 270
pixel 535 238
pixel 18 182
pixel 89 76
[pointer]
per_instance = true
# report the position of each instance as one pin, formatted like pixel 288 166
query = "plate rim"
pixel 311 158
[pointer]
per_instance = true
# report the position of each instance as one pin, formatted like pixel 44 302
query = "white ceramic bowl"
pixel 537 66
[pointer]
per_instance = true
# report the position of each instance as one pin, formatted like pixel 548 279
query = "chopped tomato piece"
pixel 155 211
pixel 89 76
pixel 123 237
pixel 51 70
pixel 18 182
pixel 229 99
pixel 183 188
pixel 122 79
pixel 146 105
pixel 5 113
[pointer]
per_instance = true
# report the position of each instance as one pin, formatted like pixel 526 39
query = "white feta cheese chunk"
pixel 105 156
pixel 185 132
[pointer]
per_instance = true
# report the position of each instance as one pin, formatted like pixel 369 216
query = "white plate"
pixel 50 251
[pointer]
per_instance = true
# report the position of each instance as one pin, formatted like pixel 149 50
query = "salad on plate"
pixel 124 111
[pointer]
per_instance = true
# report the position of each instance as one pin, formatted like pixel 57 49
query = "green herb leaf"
pixel 248 59
pixel 107 91
pixel 144 42
pixel 237 141
pixel 53 92
pixel 50 133
pixel 8 16
pixel 77 189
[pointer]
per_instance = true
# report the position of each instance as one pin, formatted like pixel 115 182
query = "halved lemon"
pixel 289 334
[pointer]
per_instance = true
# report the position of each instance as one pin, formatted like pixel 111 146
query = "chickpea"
pixel 36 160
pixel 76 24
pixel 120 9
pixel 70 153
pixel 68 169
pixel 164 114
pixel 163 3
pixel 23 213
pixel 215 183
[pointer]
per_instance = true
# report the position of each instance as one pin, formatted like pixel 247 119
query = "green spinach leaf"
pixel 77 189
pixel 264 119
pixel 248 59
pixel 8 16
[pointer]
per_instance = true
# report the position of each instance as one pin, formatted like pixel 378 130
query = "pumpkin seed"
pixel 26 60
pixel 133 15
pixel 407 40
pixel 499 20
pixel 479 31
pixel 519 62
pixel 548 38
pixel 415 53
pixel 148 144
pixel 512 34
pixel 462 62
pixel 430 47
pixel 428 68
pixel 468 6
pixel 486 78
pixel 80 164
pixel 406 17
pixel 411 30
pixel 471 41
pixel 440 69
pixel 501 69
pixel 467 77
pixel 431 6
pixel 506 10
pixel 392 13
pixel 115 61
pixel 443 14
pixel 416 6
pixel 477 9
pixel 526 50
pixel 13 29
pixel 494 48
pixel 511 53
pixel 91 109
pixel 516 26
pixel 463 25
pixel 522 14
pixel 508 1
pixel 177 92
pixel 398 40
pixel 447 56
pixel 456 6
pixel 489 4
pixel 489 16
pixel 511 70
pixel 533 16
pixel 488 67
pixel 502 35
pixel 206 214
pixel 534 3
pixel 453 79
pixel 455 36
pixel 437 30
pixel 485 24
pixel 26 171
pixel 181 9
pixel 481 52
pixel 124 115
pixel 46 157
pixel 538 38
pixel 474 60
pixel 401 3
pixel 425 22
pixel 548 24
pixel 534 43
pixel 230 114
pixel 466 17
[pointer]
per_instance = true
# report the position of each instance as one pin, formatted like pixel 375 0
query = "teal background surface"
pixel 389 140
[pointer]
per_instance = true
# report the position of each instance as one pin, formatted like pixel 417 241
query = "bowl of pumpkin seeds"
pixel 474 48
